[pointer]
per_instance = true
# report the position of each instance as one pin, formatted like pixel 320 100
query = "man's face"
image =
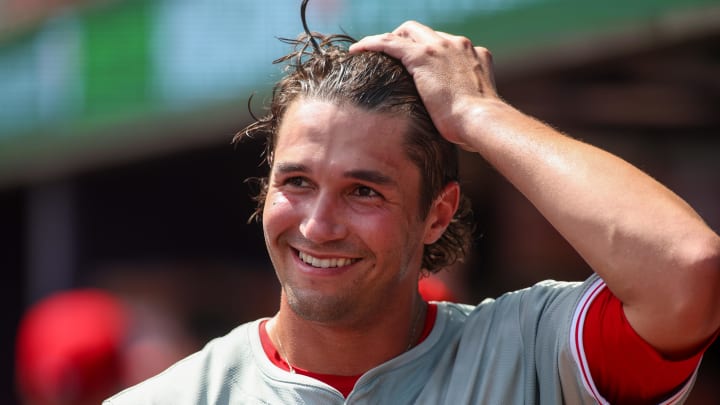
pixel 341 217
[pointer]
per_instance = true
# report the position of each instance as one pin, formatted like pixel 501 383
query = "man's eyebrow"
pixel 371 176
pixel 290 167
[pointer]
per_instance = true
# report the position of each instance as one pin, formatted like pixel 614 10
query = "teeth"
pixel 324 263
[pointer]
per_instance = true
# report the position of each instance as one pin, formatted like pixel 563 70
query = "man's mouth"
pixel 327 262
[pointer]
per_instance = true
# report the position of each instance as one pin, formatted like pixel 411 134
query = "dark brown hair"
pixel 322 69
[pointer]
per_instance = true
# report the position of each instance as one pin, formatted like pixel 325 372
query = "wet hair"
pixel 320 68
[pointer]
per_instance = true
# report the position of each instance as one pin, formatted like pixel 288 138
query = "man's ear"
pixel 442 212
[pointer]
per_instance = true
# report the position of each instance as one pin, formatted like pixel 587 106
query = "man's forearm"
pixel 651 248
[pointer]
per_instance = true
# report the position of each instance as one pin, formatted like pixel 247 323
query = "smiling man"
pixel 345 233
pixel 363 197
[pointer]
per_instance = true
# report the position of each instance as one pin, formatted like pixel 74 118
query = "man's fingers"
pixel 388 43
pixel 416 32
pixel 370 43
pixel 451 37
pixel 392 43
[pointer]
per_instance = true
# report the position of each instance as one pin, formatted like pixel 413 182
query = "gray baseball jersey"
pixel 522 348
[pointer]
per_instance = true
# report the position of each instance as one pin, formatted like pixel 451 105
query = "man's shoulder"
pixel 195 376
pixel 546 299
pixel 543 294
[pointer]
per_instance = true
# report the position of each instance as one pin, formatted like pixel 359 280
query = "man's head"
pixel 373 82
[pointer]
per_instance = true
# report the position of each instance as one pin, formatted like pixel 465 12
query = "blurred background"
pixel 117 173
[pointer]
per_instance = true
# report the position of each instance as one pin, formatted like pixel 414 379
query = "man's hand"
pixel 451 75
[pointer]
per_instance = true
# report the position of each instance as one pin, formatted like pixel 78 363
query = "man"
pixel 363 197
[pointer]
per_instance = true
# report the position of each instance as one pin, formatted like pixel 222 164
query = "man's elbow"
pixel 700 302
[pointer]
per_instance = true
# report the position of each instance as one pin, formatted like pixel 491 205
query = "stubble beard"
pixel 315 307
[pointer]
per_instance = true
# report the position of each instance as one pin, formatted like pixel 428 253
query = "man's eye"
pixel 364 191
pixel 297 181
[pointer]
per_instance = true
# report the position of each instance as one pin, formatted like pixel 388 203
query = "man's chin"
pixel 316 307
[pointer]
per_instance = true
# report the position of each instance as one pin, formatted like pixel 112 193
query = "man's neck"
pixel 348 349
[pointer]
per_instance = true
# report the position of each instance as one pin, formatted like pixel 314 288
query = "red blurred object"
pixel 68 348
pixel 434 289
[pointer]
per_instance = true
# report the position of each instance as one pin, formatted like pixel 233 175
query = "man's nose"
pixel 323 220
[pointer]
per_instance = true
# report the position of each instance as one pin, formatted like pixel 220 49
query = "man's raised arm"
pixel 650 247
